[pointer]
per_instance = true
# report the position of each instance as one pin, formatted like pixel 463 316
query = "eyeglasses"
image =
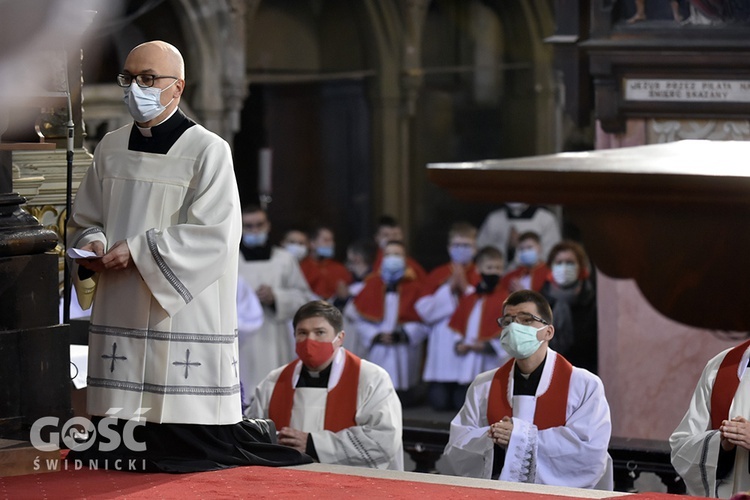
pixel 522 318
pixel 143 81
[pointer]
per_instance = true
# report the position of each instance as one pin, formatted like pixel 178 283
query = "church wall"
pixel 650 363
pixel 283 37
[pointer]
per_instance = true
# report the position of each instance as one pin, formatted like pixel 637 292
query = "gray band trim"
pixel 86 232
pixel 702 464
pixel 134 333
pixel 184 390
pixel 165 270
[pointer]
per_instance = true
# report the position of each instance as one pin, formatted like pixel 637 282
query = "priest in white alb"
pixel 159 208
pixel 537 418
pixel 330 404
pixel 710 446
pixel 275 276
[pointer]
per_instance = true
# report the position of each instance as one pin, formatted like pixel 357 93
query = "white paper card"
pixel 77 253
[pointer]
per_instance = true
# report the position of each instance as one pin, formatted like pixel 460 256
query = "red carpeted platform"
pixel 248 482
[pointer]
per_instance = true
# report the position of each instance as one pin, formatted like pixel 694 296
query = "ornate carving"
pixel 660 131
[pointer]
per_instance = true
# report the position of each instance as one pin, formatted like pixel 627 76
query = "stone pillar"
pixel 34 347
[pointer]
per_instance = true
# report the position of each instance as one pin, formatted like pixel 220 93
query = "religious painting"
pixel 682 13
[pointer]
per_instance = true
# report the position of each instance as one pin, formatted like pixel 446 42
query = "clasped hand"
pixel 735 432
pixel 500 431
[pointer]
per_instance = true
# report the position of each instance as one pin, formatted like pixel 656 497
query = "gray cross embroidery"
pixel 187 363
pixel 113 357
pixel 234 363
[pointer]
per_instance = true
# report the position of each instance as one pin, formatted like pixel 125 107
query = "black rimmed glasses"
pixel 522 318
pixel 144 80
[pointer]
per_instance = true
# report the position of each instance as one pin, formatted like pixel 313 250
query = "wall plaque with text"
pixel 682 90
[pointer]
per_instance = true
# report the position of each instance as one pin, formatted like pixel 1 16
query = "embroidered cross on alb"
pixel 113 357
pixel 187 363
pixel 234 363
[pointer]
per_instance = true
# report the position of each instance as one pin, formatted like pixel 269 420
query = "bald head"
pixel 160 59
pixel 161 53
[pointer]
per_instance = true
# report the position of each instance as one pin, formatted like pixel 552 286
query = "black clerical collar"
pixel 523 386
pixel 306 379
pixel 163 135
pixel 256 253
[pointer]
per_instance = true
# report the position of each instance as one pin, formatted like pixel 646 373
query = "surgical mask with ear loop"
pixel 520 341
pixel 315 353
pixel 145 104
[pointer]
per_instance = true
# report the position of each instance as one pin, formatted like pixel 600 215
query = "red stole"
pixel 539 274
pixel 726 384
pixel 440 275
pixel 324 275
pixel 341 404
pixel 492 308
pixel 370 302
pixel 550 406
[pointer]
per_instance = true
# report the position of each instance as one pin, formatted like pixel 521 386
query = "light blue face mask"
pixel 461 254
pixel 528 257
pixel 392 268
pixel 297 249
pixel 325 252
pixel 519 340
pixel 251 240
pixel 144 104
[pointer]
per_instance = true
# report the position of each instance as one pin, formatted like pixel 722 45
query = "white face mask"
pixel 520 341
pixel 564 273
pixel 145 104
pixel 297 249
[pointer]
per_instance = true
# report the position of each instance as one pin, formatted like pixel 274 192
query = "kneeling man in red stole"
pixel 330 404
pixel 537 418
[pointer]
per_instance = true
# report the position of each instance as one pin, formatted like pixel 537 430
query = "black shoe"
pixel 263 429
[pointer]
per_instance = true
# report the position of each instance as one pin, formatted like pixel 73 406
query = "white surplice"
pixel 376 440
pixel 572 455
pixel 402 360
pixel 695 446
pixel 272 345
pixel 471 364
pixel 441 360
pixel 163 332
pixel 351 339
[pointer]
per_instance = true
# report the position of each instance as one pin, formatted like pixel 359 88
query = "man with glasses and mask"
pixel 159 210
pixel 329 403
pixel 537 418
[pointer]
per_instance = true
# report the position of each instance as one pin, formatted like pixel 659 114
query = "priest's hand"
pixel 94 265
pixel 293 438
pixel 500 432
pixel 118 257
pixel 735 432
pixel 265 295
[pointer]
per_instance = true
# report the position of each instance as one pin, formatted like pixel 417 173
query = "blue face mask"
pixel 528 257
pixel 325 252
pixel 252 240
pixel 461 254
pixel 392 268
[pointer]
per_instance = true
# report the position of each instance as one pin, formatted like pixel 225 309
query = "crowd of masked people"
pixel 433 332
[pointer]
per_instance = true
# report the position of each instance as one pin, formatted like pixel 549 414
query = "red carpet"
pixel 245 482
